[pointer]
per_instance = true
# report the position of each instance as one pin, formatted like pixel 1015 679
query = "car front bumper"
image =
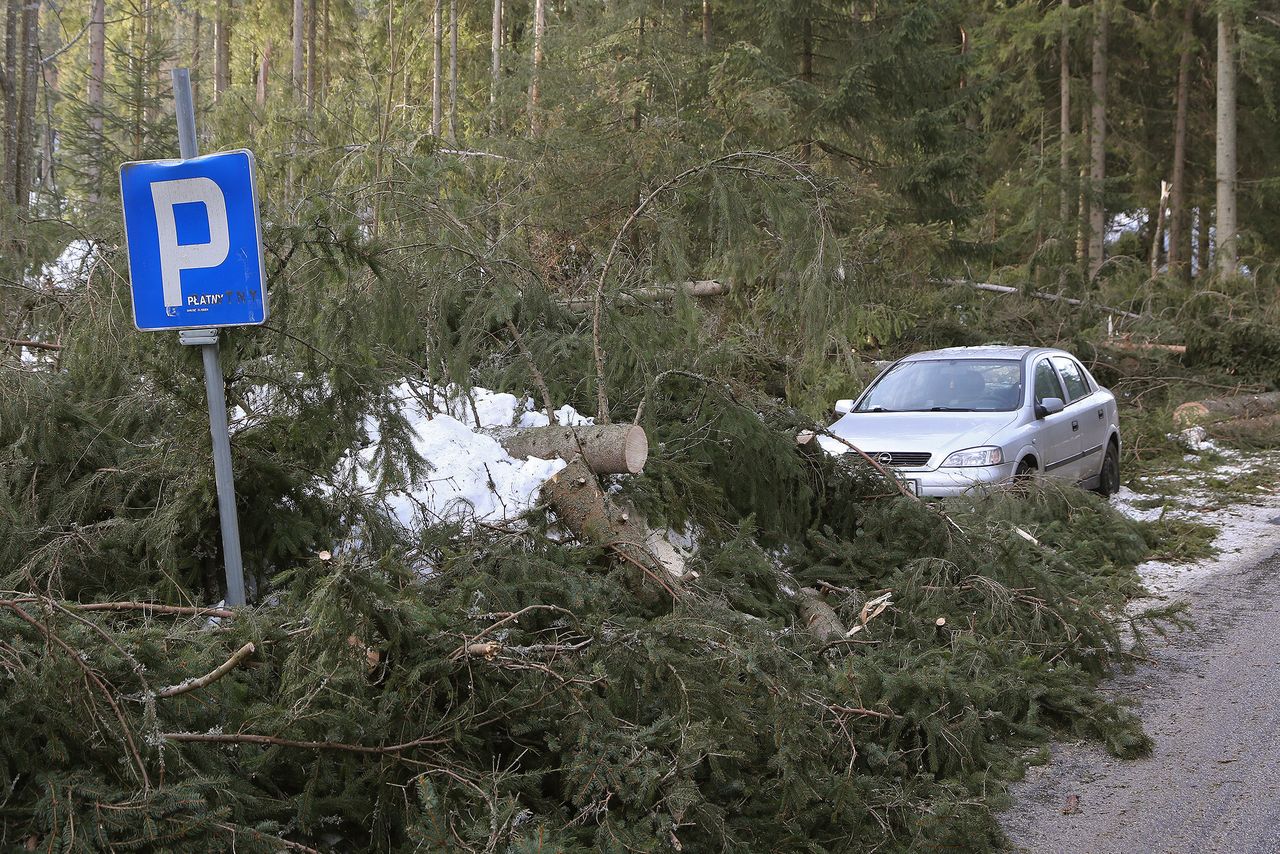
pixel 947 482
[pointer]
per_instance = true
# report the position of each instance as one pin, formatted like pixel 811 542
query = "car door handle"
pixel 1075 425
pixel 1102 413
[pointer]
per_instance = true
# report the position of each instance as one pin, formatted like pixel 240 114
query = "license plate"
pixel 913 486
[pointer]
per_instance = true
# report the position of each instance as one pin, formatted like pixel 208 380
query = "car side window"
pixel 1072 375
pixel 1047 384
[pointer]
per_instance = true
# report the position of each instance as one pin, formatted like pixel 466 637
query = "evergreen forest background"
pixel 711 217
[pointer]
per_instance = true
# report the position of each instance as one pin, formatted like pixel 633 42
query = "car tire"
pixel 1024 475
pixel 1109 476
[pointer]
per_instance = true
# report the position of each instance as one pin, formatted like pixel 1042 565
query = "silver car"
pixel 949 421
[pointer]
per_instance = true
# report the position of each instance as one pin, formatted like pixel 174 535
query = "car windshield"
pixel 947 385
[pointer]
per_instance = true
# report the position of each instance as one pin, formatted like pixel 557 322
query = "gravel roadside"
pixel 1210 698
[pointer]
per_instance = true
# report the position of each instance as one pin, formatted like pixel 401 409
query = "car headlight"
pixel 988 456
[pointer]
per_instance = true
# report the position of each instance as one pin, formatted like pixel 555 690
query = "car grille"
pixel 901 459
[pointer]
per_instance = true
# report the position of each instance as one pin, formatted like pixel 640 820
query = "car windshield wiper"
pixel 942 409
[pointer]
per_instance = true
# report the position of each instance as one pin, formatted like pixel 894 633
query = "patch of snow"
pixel 470 478
pixel 1195 439
pixel 1248 531
pixel 1248 534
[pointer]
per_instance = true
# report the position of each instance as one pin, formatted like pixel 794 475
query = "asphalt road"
pixel 1211 700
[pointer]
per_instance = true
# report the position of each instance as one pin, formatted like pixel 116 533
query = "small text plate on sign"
pixel 195 242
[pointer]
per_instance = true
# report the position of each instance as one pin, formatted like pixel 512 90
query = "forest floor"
pixel 1209 695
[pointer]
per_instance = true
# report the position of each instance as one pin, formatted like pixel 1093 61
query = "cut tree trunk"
pixel 605 448
pixel 1156 237
pixel 1220 409
pixel 818 618
pixel 582 507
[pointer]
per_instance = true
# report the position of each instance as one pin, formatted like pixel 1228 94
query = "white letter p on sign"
pixel 175 258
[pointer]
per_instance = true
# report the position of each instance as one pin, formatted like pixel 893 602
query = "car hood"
pixel 939 433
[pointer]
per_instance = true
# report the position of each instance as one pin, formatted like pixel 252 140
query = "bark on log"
pixel 575 494
pixel 655 293
pixel 1221 409
pixel 606 448
pixel 818 618
pixel 1245 432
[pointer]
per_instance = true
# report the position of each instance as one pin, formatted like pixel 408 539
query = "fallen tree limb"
pixel 212 676
pixel 33 345
pixel 1041 295
pixel 656 293
pixel 1144 346
pixel 1224 408
pixel 606 448
pixel 153 608
pixel 271 740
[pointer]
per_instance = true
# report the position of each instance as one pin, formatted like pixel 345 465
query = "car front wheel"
pixel 1109 477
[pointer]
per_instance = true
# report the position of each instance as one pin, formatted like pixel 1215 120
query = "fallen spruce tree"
pixel 520 696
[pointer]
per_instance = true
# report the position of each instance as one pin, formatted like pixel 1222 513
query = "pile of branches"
pixel 520 696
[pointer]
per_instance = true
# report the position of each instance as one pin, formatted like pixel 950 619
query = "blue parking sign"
pixel 195 242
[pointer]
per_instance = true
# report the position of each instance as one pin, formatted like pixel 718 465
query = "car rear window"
pixel 1073 376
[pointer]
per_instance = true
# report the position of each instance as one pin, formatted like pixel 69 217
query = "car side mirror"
pixel 1050 406
pixel 844 406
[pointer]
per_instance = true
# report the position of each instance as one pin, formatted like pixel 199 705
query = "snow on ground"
pixel 1248 530
pixel 470 477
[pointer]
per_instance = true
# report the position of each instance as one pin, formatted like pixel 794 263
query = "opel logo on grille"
pixel 885 459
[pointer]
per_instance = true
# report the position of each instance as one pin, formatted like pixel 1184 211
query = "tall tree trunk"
pixel 1179 245
pixel 1064 120
pixel 806 74
pixel 637 113
pixel 138 86
pixel 312 25
pixel 27 108
pixel 1225 231
pixel 296 77
pixel 197 55
pixel 1098 141
pixel 221 50
pixel 495 66
pixel 539 30
pixel 12 81
pixel 97 78
pixel 437 67
pixel 706 23
pixel 453 70
pixel 51 84
pixel 264 68
pixel 324 52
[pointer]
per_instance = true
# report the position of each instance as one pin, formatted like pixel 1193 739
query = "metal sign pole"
pixel 207 341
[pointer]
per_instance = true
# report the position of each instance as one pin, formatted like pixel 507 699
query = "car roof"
pixel 986 351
